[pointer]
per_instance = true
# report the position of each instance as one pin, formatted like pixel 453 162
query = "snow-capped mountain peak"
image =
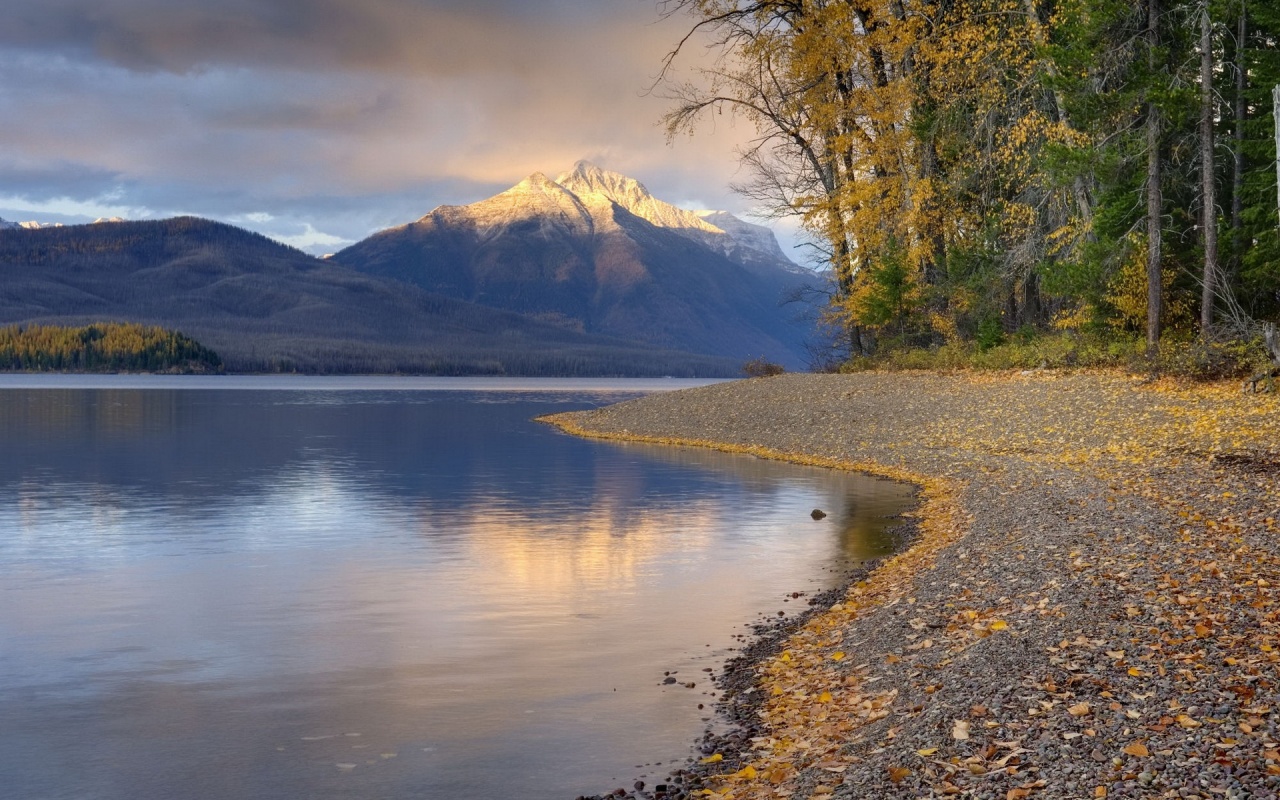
pixel 583 200
pixel 586 178
pixel 746 236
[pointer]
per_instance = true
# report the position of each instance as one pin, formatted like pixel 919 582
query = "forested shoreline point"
pixel 103 347
pixel 1088 610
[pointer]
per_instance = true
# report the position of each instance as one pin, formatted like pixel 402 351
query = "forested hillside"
pixel 984 167
pixel 265 307
pixel 107 347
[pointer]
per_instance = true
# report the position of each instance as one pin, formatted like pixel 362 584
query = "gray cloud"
pixel 444 37
pixel 347 116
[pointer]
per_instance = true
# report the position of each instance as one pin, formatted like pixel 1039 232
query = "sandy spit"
pixel 1089 609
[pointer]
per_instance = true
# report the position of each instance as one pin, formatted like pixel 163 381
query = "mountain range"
pixel 588 274
pixel 594 251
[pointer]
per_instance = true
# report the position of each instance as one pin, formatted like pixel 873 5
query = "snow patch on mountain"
pixel 586 178
pixel 33 225
pixel 582 201
pixel 746 240
pixel 537 197
pixel 719 230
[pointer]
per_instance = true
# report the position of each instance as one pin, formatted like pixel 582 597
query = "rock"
pixel 817 513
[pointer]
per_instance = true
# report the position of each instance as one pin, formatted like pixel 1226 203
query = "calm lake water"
pixel 376 588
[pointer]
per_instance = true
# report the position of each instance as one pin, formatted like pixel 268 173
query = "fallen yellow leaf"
pixel 1137 749
pixel 712 759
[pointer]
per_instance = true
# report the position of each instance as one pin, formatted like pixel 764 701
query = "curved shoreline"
pixel 1084 613
pixel 927 525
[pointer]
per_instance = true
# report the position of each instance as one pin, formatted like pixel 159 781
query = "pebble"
pixel 1071 553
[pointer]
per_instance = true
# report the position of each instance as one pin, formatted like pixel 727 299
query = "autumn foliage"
pixel 103 347
pixel 1026 161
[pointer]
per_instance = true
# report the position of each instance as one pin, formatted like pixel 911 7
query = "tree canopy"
pixel 103 347
pixel 1104 165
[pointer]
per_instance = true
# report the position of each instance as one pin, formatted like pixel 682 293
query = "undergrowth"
pixel 1178 357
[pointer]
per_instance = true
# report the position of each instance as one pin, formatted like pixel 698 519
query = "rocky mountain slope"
pixel 594 251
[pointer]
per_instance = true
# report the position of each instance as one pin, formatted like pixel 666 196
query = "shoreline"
pixel 1086 612
pixel 740 701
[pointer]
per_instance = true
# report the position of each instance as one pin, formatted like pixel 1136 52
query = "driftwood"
pixel 1267 378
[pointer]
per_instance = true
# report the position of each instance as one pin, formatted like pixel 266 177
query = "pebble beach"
pixel 1088 607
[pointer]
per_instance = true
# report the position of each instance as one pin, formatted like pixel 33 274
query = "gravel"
pixel 1091 594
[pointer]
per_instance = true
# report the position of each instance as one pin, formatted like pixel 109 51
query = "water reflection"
pixel 210 594
pixel 860 506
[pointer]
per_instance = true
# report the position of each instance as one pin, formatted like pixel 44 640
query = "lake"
pixel 232 587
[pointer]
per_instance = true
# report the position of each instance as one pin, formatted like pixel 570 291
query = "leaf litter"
pixel 1089 608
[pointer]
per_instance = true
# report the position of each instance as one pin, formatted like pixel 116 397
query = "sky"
pixel 318 122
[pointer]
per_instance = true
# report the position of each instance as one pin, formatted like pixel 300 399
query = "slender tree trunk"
pixel 1032 308
pixel 935 268
pixel 1209 218
pixel 844 284
pixel 1275 111
pixel 1155 197
pixel 1237 165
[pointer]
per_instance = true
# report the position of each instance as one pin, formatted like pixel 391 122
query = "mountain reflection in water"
pixel 347 594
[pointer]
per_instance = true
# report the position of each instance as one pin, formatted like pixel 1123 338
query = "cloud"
pixel 332 113
pixel 313 240
pixel 440 37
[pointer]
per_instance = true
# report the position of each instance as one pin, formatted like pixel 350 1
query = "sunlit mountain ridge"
pixel 594 251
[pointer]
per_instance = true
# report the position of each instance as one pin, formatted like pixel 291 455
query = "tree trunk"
pixel 935 268
pixel 1237 166
pixel 1209 217
pixel 1275 110
pixel 1155 198
pixel 1032 308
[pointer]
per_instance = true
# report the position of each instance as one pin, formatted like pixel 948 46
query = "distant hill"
pixel 594 251
pixel 263 306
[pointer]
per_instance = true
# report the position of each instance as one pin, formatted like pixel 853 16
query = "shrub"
pixel 760 368
pixel 990 333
